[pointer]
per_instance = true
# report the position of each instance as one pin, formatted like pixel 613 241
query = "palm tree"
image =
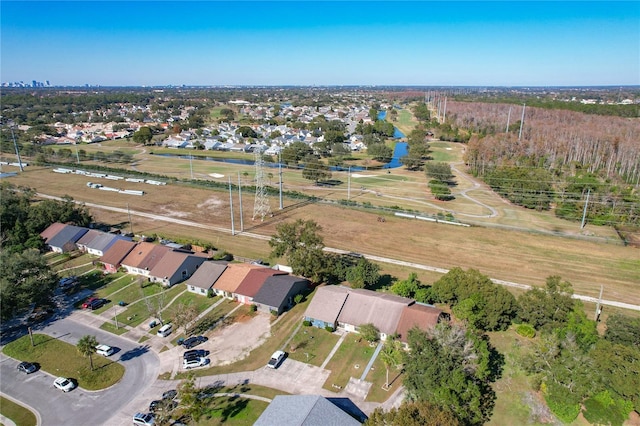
pixel 391 355
pixel 87 347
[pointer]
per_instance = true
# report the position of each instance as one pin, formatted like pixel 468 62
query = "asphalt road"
pixel 80 407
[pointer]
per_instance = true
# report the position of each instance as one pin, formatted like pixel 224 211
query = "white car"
pixel 104 350
pixel 194 362
pixel 276 359
pixel 144 419
pixel 64 384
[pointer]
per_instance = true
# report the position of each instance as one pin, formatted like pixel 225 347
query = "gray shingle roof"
pixel 68 234
pixel 206 275
pixel 275 289
pixel 380 309
pixel 327 303
pixel 304 410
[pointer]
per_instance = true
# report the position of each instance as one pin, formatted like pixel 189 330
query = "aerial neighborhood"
pixel 319 255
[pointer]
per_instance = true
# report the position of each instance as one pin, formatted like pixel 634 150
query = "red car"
pixel 87 303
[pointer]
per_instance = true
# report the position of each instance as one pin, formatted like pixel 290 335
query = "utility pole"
pixel 191 165
pixel 508 120
pixel 130 224
pixel 349 184
pixel 115 315
pixel 77 157
pixel 15 145
pixel 240 198
pixel 584 212
pixel 233 232
pixel 280 174
pixel 522 121
pixel 598 308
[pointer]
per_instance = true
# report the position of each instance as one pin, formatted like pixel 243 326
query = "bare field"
pixel 509 255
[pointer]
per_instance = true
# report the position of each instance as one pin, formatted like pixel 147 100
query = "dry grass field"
pixel 510 243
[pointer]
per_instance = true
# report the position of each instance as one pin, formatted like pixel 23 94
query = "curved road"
pixel 334 250
pixel 80 406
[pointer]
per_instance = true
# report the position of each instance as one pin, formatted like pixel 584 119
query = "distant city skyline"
pixel 243 43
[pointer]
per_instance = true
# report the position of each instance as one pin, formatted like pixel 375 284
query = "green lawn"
pixel 62 359
pixel 350 359
pixel 188 298
pixel 20 415
pixel 117 282
pixel 111 328
pixel 311 345
pixel 378 377
pixel 138 312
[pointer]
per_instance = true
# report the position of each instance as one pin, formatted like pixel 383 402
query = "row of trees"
pixel 574 367
pixel 25 277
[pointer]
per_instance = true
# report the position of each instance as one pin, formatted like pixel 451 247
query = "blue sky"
pixel 505 43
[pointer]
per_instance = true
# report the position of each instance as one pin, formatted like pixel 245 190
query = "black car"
pixel 27 367
pixel 195 353
pixel 170 394
pixel 97 304
pixel 194 341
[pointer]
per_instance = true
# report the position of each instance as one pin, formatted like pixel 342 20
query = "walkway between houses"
pixel 373 358
pixel 335 348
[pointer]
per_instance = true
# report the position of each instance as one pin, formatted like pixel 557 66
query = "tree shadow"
pixel 383 282
pixel 134 353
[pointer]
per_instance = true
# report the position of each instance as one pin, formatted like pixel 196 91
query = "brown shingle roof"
pixel 138 254
pixel 233 276
pixel 156 254
pixel 254 280
pixel 207 275
pixel 327 303
pixel 167 262
pixel 51 231
pixel 380 309
pixel 118 251
pixel 422 316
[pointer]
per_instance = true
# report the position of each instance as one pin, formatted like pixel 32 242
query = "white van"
pixel 165 330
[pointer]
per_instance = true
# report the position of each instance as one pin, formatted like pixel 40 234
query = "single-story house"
pixel 304 410
pixel 97 242
pixel 205 277
pixel 113 256
pixel 175 267
pixel 65 239
pixel 324 308
pixel 252 283
pixel 231 278
pixel 143 258
pixel 418 315
pixel 370 307
pixel 278 291
pixel 51 231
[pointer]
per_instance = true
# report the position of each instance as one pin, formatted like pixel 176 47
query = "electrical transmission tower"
pixel 261 207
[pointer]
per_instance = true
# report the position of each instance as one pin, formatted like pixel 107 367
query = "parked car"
pixel 27 367
pixel 40 314
pixel 104 350
pixel 88 302
pixel 170 394
pixel 276 359
pixel 195 353
pixel 97 304
pixel 64 384
pixel 144 419
pixel 194 362
pixel 194 341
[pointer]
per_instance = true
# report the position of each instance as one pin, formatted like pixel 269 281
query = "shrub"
pixel 602 409
pixel 525 330
pixel 274 313
pixel 306 323
pixel 564 410
pixel 254 308
pixel 299 298
pixel 329 328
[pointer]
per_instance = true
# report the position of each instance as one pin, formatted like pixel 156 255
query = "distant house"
pixel 175 267
pixel 64 240
pixel 205 277
pixel 252 283
pixel 304 410
pixel 278 291
pixel 113 256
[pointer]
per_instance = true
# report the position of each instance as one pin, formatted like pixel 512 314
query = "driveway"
pixel 80 406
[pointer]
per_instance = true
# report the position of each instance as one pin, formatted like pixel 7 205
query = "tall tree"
pixel 391 355
pixel 419 413
pixel 302 245
pixel 143 135
pixel 363 274
pixel 87 347
pixel 548 307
